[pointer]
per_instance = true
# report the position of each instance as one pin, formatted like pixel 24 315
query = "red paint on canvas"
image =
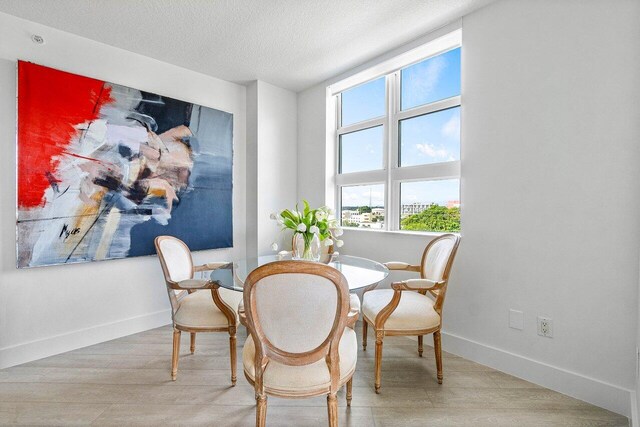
pixel 51 104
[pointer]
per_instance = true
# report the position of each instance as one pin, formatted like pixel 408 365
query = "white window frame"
pixel 391 175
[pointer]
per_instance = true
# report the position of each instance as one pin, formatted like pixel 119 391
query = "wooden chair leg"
pixel 332 408
pixel 175 354
pixel 378 360
pixel 349 391
pixel 364 335
pixel 420 348
pixel 437 346
pixel 193 342
pixel 232 351
pixel 261 411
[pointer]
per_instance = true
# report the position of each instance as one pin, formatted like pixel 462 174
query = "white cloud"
pixel 431 151
pixel 428 80
pixel 348 197
pixel 359 196
pixel 451 129
pixel 376 196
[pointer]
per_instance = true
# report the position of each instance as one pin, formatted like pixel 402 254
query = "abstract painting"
pixel 103 169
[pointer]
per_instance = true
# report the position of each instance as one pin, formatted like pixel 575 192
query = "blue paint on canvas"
pixel 203 216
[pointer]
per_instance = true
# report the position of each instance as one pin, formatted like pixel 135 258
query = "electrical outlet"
pixel 516 319
pixel 545 327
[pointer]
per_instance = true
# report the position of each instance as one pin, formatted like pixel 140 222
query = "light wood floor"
pixel 127 381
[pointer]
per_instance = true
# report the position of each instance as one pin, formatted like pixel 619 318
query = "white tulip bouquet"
pixel 310 224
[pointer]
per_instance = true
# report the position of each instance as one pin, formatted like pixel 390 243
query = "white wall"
pixel 252 169
pixel 635 406
pixel 49 310
pixel 550 161
pixel 277 159
pixel 635 415
pixel 272 184
pixel 311 145
pixel 550 193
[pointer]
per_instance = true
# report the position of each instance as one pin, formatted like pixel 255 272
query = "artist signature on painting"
pixel 66 232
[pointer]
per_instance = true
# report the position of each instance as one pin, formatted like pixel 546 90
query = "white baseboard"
pixel 635 421
pixel 38 349
pixel 591 390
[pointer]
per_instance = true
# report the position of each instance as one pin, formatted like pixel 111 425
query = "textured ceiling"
pixel 290 43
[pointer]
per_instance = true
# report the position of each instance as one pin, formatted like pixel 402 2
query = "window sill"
pixel 398 232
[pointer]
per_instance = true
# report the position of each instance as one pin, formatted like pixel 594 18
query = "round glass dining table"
pixel 361 273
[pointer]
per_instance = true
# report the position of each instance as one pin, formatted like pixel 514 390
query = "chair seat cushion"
pixel 197 310
pixel 305 378
pixel 354 302
pixel 414 312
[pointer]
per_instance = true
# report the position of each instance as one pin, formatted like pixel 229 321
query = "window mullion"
pixel 430 171
pixel 339 112
pixel 393 102
pixel 361 178
pixel 429 108
pixel 338 198
pixel 361 125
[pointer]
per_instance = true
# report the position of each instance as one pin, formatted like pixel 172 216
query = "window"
pixel 362 206
pixel 430 138
pixel 398 145
pixel 363 102
pixel 430 205
pixel 362 150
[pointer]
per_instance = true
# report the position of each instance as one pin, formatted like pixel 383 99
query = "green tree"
pixel 364 209
pixel 434 218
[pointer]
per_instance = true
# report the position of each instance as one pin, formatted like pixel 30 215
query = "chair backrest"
pixel 437 261
pixel 177 264
pixel 296 313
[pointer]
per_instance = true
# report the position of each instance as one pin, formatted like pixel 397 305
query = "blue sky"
pixel 431 138
pixel 358 195
pixel 362 151
pixel 363 102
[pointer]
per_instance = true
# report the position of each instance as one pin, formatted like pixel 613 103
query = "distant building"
pixel 413 208
pixel 365 219
pixel 360 218
pixel 346 215
pixel 417 207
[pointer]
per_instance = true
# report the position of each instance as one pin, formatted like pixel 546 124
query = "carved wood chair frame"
pixel 187 287
pixel 437 290
pixel 267 352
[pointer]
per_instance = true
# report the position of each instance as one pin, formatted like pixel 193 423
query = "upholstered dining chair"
pixel 412 307
pixel 327 254
pixel 197 305
pixel 301 340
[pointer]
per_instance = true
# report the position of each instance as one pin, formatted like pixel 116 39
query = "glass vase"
pixel 306 247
